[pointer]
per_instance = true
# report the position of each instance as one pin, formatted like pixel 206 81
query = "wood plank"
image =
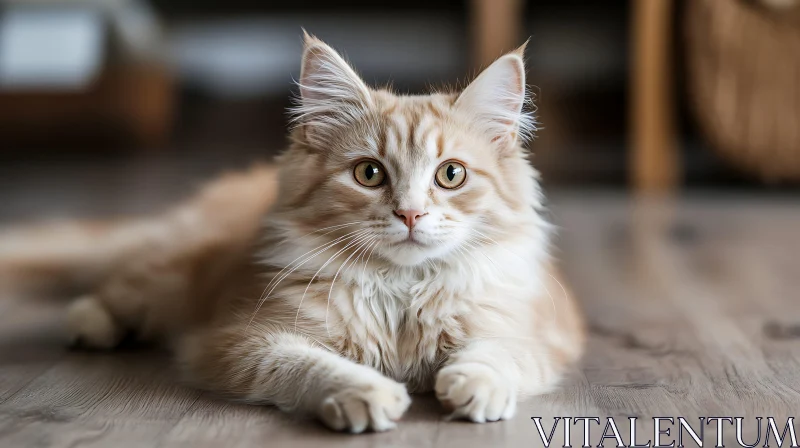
pixel 30 343
pixel 211 423
pixel 699 309
pixel 42 431
pixel 137 385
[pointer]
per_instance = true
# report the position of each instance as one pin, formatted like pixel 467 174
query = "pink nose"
pixel 409 217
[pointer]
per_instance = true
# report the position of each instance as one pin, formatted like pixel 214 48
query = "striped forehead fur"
pixel 333 98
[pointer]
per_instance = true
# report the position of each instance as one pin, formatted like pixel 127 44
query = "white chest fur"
pixel 405 322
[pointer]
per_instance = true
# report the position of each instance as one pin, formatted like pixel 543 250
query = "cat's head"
pixel 412 178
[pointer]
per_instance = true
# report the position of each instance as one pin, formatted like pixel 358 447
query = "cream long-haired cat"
pixel 399 247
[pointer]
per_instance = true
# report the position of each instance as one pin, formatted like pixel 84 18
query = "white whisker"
pixel 278 278
pixel 328 244
pixel 330 259
pixel 364 271
pixel 330 291
pixel 334 228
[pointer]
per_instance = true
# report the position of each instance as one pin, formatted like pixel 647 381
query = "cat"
pixel 398 247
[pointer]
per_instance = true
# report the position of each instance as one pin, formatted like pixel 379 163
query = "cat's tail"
pixel 73 257
pixel 64 256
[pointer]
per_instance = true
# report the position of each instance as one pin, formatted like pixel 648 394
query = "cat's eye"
pixel 369 173
pixel 451 175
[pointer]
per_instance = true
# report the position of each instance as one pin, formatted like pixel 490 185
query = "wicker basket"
pixel 743 63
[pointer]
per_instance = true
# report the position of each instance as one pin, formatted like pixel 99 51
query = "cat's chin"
pixel 412 253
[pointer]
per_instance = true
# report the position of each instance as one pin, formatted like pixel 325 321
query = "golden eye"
pixel 451 175
pixel 369 173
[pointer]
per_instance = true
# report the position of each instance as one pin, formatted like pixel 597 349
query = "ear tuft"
pixel 331 93
pixel 520 51
pixel 495 101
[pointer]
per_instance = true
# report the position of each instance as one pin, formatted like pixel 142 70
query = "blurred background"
pixel 119 107
pixel 122 106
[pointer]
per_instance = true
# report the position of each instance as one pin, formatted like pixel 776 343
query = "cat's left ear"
pixel 495 100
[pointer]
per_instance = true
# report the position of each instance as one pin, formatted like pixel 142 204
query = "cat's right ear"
pixel 332 95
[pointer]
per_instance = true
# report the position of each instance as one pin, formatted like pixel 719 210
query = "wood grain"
pixel 692 308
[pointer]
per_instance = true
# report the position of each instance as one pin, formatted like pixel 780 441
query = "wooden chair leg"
pixel 496 28
pixel 654 157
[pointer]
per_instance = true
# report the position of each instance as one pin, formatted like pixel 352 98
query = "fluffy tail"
pixel 73 257
pixel 64 256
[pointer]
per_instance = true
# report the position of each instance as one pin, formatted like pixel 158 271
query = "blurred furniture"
pixel 743 83
pixel 654 150
pixel 743 63
pixel 132 100
pixel 78 68
pixel 496 28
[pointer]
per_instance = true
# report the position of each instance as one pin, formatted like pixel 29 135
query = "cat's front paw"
pixel 475 392
pixel 375 404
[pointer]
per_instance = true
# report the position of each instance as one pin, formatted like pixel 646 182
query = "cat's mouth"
pixel 409 241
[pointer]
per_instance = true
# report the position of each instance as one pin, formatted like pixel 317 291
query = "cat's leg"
pixel 481 382
pixel 294 373
pixel 90 324
pixel 157 276
pixel 149 298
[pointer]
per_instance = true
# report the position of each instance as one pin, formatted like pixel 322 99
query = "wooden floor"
pixel 693 310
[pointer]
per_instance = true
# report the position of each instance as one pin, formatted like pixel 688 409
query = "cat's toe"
pixel 90 325
pixel 475 392
pixel 376 406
